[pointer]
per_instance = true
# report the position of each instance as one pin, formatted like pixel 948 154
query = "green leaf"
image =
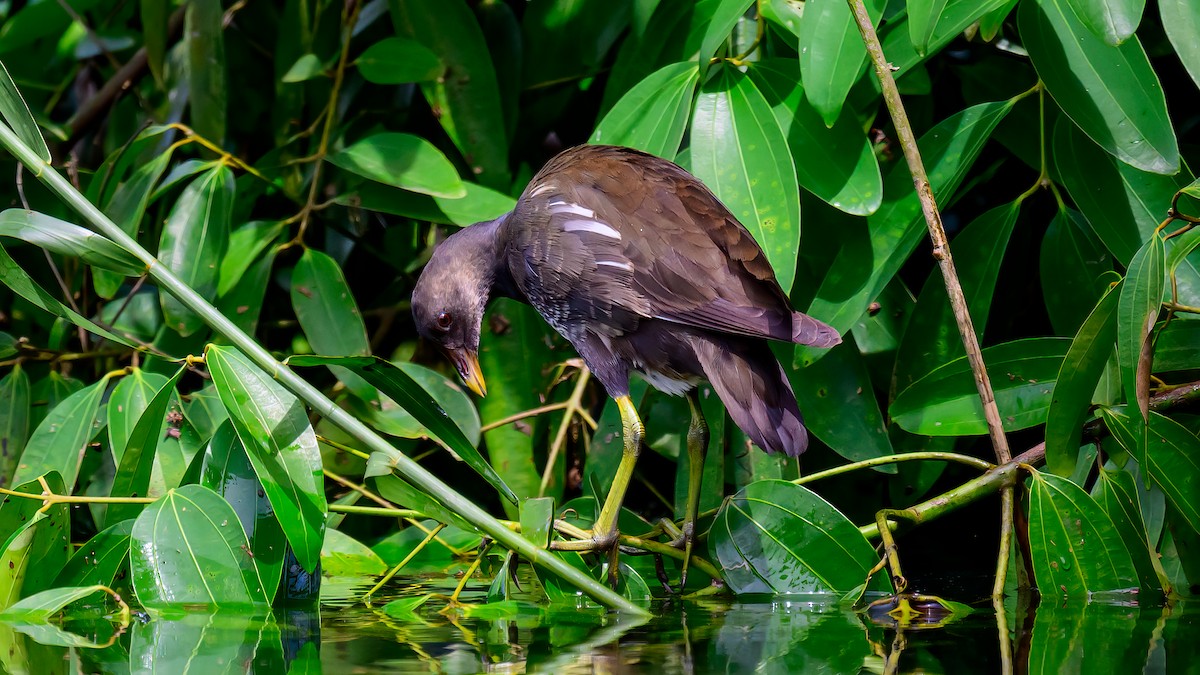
pixel 41 607
pixel 653 115
pixel 58 443
pixel 204 38
pixel 329 316
pixel 537 520
pixel 16 113
pixel 838 400
pixel 468 102
pixel 1181 21
pixel 343 555
pixel 932 338
pixel 126 404
pixel 126 209
pixel 100 559
pixel 188 550
pixel 506 47
pixel 274 429
pixel 1081 370
pixel 1175 346
pixel 1137 312
pixel 867 261
pixel 37 541
pixel 946 402
pixel 724 17
pixel 305 68
pixel 479 205
pixel 244 301
pixel 390 418
pixel 395 489
pixel 1168 453
pixel 836 163
pixel 739 151
pixel 396 60
pixel 1071 265
pixel 153 14
pixel 226 469
pixel 15 404
pixel 1111 92
pixel 923 17
pixel 194 239
pixel 832 56
pixel 134 455
pixel 37 20
pixel 1113 21
pixel 1117 495
pixel 1076 549
pixel 245 245
pixel 65 238
pixel 780 538
pixel 991 23
pixel 1181 248
pixel 403 161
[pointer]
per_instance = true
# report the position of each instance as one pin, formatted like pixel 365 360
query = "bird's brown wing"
pixel 640 238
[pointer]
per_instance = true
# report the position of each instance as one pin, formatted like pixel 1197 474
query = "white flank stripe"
pixel 614 263
pixel 541 190
pixel 593 226
pixel 575 209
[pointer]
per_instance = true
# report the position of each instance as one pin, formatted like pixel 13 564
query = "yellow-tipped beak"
pixel 467 364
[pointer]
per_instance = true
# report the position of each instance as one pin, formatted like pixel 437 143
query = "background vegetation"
pixel 295 162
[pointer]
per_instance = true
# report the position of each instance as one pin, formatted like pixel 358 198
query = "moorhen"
pixel 642 269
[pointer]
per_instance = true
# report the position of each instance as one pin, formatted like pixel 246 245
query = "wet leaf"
pixel 1113 21
pixel 194 239
pixel 41 607
pixel 134 456
pixel 343 555
pixel 404 161
pixel 653 115
pixel 1117 495
pixel 1168 453
pixel 58 443
pixel 1137 312
pixel 58 236
pixel 37 541
pixel 100 558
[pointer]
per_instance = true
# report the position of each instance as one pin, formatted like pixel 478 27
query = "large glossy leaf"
pixel 274 429
pixel 246 244
pixel 401 388
pixel 671 34
pixel 839 405
pixel 836 163
pixel 832 55
pixel 41 607
pixel 480 203
pixel 134 456
pixel 100 559
pixel 329 315
pixel 1113 21
pixel 1111 92
pixel 1137 312
pixel 390 418
pixel 1117 496
pixel 780 538
pixel 1124 205
pixel 396 60
pixel 243 302
pixel 923 17
pixel 653 115
pixel 868 260
pixel 59 236
pixel 932 338
pixel 1181 21
pixel 126 404
pixel 740 152
pixel 404 161
pixel 15 113
pixel 1168 453
pixel 58 443
pixel 15 404
pixel 1081 370
pixel 1177 346
pixel 946 402
pixel 469 101
pixel 1113 635
pixel 1076 550
pixel 188 550
pixel 204 37
pixel 1071 266
pixel 194 238
pixel 724 18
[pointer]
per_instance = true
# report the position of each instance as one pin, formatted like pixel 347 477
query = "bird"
pixel 642 269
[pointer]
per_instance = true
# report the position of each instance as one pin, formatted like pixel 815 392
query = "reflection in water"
pixel 711 636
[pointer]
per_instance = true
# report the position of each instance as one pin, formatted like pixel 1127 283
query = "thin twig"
pixel 559 438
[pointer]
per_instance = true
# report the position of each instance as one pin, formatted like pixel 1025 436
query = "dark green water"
pixel 710 636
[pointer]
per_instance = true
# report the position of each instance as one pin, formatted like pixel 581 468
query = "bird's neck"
pixel 492 258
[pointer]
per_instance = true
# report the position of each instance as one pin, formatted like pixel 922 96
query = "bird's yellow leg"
pixel 604 531
pixel 697 447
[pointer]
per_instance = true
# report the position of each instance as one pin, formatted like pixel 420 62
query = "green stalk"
pixel 413 472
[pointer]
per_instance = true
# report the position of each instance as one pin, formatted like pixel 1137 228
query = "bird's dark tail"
pixel 808 331
pixel 755 391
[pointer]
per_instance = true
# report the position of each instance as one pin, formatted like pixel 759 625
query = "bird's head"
pixel 451 295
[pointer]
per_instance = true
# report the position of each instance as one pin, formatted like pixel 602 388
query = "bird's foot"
pixel 683 540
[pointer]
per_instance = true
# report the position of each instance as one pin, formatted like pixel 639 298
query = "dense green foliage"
pixel 294 163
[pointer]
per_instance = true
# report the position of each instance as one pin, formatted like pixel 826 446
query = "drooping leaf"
pixel 1113 21
pixel 126 209
pixel 344 555
pixel 58 236
pixel 329 316
pixel 1117 496
pixel 403 161
pixel 401 388
pixel 777 537
pixel 834 162
pixel 739 151
pixel 126 404
pixel 37 540
pixel 194 239
pixel 653 115
pixel 274 429
pixel 153 14
pixel 396 60
pixel 502 33
pixel 100 559
pixel 1168 453
pixel 1076 549
pixel 946 402
pixel 832 55
pixel 15 113
pixel 134 457
pixel 1071 266
pixel 1137 311
pixel 188 549
pixel 305 68
pixel 392 419
pixel 1111 93
pixel 923 17
pixel 246 243
pixel 41 607
pixel 1181 21
pixel 58 443
pixel 1081 370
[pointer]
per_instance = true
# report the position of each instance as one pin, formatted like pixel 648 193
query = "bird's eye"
pixel 444 320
